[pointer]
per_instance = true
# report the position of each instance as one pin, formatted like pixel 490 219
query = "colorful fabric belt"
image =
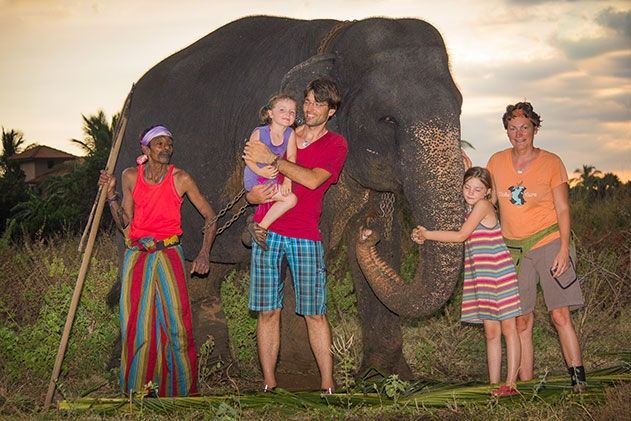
pixel 150 245
pixel 519 248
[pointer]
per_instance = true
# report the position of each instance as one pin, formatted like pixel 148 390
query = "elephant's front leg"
pixel 209 319
pixel 382 339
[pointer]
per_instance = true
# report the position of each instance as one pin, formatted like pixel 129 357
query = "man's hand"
pixel 108 181
pixel 261 193
pixel 201 264
pixel 257 151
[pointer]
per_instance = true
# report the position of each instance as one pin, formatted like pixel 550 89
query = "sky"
pixel 62 59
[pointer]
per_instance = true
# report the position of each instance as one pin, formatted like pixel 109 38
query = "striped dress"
pixel 490 289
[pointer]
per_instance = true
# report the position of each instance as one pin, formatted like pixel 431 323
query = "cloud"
pixel 618 21
pixel 610 31
pixel 591 47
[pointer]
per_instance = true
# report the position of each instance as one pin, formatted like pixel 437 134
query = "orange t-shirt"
pixel 525 200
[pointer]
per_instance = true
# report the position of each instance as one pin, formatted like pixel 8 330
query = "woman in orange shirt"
pixel 531 189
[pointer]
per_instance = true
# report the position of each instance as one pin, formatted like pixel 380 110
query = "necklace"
pixel 163 173
pixel 307 142
pixel 524 165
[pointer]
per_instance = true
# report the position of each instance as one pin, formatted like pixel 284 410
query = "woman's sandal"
pixel 258 233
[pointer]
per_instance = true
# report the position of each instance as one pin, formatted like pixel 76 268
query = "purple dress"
pixel 251 179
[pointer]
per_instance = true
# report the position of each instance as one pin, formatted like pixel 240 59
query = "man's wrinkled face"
pixel 160 149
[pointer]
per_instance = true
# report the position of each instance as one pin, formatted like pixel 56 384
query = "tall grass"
pixel 37 279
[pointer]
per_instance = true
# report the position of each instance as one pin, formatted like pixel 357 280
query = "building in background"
pixel 41 162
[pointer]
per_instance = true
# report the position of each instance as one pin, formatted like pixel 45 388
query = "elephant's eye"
pixel 388 119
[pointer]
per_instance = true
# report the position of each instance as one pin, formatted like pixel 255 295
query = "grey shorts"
pixel 535 267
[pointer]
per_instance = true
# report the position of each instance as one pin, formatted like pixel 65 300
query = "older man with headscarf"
pixel 156 327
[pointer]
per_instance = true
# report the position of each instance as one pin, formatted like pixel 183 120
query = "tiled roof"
pixel 42 152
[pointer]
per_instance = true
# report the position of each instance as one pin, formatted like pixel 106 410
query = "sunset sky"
pixel 571 59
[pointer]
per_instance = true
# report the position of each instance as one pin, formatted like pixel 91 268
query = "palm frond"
pixel 420 394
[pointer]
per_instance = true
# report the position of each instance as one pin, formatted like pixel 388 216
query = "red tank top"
pixel 156 208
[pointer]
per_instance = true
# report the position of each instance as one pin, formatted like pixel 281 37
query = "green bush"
pixel 241 324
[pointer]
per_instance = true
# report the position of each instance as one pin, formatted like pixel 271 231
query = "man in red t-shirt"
pixel 296 234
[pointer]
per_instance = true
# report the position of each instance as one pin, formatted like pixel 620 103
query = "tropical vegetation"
pixel 39 263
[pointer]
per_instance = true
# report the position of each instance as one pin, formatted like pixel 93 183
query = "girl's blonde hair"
pixel 264 117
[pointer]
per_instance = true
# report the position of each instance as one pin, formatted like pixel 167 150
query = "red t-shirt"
pixel 303 220
pixel 156 208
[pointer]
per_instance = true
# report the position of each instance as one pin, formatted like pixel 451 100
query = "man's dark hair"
pixel 325 90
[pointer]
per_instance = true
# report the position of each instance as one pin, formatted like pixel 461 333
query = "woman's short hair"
pixel 521 109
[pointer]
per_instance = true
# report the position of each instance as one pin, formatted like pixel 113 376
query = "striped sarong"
pixel 156 327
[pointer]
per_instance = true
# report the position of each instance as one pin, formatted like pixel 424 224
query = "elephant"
pixel 400 114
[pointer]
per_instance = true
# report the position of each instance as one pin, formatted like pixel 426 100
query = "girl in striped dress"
pixel 490 294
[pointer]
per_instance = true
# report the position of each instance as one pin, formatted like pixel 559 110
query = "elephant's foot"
pixel 386 367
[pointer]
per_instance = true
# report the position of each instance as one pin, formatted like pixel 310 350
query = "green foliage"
pixel 591 184
pixel 37 279
pixel 341 299
pixel 12 142
pixel 394 387
pixel 31 349
pixel 37 285
pixel 409 263
pixel 346 361
pixel 13 189
pixel 241 324
pixel 63 203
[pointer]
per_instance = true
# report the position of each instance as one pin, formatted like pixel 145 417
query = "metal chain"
pixel 234 217
pixel 386 206
pixel 226 209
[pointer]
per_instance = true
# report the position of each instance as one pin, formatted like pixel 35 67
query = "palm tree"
pixel 587 177
pixel 11 143
pixel 13 189
pixel 608 182
pixel 98 134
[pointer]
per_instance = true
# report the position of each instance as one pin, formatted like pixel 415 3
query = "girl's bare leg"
pixel 513 350
pixel 493 334
pixel 281 205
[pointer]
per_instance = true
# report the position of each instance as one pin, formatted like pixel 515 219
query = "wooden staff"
pixel 111 164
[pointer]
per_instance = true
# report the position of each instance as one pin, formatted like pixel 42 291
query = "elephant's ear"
pixel 297 78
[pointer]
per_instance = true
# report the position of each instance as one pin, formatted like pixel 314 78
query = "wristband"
pixel 274 163
pixel 113 198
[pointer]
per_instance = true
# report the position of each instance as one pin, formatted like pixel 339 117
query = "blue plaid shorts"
pixel 308 270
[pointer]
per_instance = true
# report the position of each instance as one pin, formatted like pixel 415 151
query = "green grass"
pixel 37 279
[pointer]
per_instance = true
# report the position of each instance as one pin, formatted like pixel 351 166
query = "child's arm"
pixel 479 212
pixel 291 157
pixel 292 147
pixel 267 171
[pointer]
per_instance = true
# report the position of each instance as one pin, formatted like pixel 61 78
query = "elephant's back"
pixel 209 94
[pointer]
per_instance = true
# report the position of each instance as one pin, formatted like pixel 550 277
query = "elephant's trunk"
pixel 436 203
pixel 411 300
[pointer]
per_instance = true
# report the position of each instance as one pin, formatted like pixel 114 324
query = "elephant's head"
pixel 400 114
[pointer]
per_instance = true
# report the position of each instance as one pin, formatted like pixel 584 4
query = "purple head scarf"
pixel 149 136
pixel 153 133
